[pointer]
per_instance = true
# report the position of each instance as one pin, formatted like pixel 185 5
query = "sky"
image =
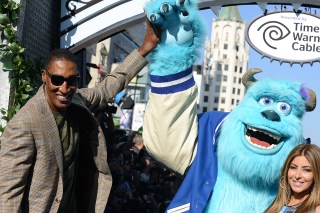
pixel 308 75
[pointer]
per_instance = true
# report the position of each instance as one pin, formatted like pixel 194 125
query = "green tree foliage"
pixel 22 74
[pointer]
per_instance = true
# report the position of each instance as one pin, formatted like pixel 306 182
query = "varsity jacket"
pixel 199 181
pixel 171 133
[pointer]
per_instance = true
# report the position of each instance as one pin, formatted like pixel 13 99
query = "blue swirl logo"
pixel 274 31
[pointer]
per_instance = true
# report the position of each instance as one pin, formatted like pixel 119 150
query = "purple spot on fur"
pixel 304 93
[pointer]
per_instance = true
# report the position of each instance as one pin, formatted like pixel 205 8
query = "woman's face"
pixel 300 176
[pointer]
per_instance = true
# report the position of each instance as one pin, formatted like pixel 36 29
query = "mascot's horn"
pixel 248 80
pixel 311 105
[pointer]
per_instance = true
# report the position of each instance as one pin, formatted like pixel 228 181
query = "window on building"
pixel 104 54
pixel 208 66
pixel 215 109
pixel 197 68
pixel 237 102
pixel 239 81
pixel 237 57
pixel 219 67
pixel 217 89
pixel 225 78
pixel 225 46
pixel 218 77
pixel 224 89
pixel 237 48
pixel 221 109
pixel 235 68
pixel 238 92
pixel 240 70
pixel 223 100
pixel 216 100
pixel 205 98
pixel 233 90
pixel 205 109
pixel 224 56
pixel 207 87
pixel 226 67
pixel 232 101
pixel 234 80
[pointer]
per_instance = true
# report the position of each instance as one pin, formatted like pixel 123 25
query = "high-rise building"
pixel 225 60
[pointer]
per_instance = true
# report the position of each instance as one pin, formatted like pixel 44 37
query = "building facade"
pixel 102 58
pixel 225 60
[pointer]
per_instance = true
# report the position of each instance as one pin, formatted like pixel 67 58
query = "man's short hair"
pixel 57 55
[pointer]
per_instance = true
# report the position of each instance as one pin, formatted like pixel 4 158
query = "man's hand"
pixel 151 38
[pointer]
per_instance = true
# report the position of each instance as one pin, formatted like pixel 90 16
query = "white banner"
pixel 138 115
pixel 286 36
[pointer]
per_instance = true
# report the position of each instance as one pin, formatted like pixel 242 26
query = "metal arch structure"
pixel 85 22
pixel 212 3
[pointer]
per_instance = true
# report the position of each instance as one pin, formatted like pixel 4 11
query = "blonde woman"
pixel 299 184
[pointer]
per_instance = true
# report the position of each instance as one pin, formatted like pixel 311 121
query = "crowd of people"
pixel 140 183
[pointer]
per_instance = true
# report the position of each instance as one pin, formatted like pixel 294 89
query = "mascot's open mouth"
pixel 262 138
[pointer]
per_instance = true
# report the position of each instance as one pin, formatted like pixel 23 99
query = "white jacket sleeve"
pixel 170 128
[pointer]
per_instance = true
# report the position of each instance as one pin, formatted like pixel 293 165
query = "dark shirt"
pixel 68 130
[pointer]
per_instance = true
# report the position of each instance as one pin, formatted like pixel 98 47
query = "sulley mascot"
pixel 230 161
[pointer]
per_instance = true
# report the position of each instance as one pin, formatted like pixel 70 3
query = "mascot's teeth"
pixel 261 147
pixel 261 138
pixel 265 132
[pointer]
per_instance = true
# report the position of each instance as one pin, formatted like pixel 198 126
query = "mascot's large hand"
pixel 181 38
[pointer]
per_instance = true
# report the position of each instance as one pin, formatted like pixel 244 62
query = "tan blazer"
pixel 31 162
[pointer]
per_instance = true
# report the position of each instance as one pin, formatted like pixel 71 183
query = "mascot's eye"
pixel 284 107
pixel 266 101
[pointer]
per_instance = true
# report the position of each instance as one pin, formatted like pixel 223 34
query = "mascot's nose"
pixel 271 115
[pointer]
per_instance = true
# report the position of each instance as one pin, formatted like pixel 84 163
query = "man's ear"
pixel 43 76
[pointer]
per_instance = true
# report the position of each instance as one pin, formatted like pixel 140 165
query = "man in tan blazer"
pixel 53 155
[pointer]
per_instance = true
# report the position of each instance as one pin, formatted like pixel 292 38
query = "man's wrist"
pixel 143 51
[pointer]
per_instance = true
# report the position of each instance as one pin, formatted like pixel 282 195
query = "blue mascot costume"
pixel 230 161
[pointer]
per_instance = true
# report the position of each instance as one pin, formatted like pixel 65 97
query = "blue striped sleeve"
pixel 172 83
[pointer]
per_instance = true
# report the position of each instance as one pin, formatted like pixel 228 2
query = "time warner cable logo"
pixel 286 37
pixel 275 31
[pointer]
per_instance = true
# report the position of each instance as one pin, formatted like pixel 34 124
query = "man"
pixel 53 156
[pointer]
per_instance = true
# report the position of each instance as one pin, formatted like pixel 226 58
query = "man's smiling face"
pixel 59 81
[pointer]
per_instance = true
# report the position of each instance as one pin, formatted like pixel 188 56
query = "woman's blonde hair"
pixel 312 153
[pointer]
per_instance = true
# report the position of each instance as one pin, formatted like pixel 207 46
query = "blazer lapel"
pixel 97 144
pixel 50 129
pixel 77 100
